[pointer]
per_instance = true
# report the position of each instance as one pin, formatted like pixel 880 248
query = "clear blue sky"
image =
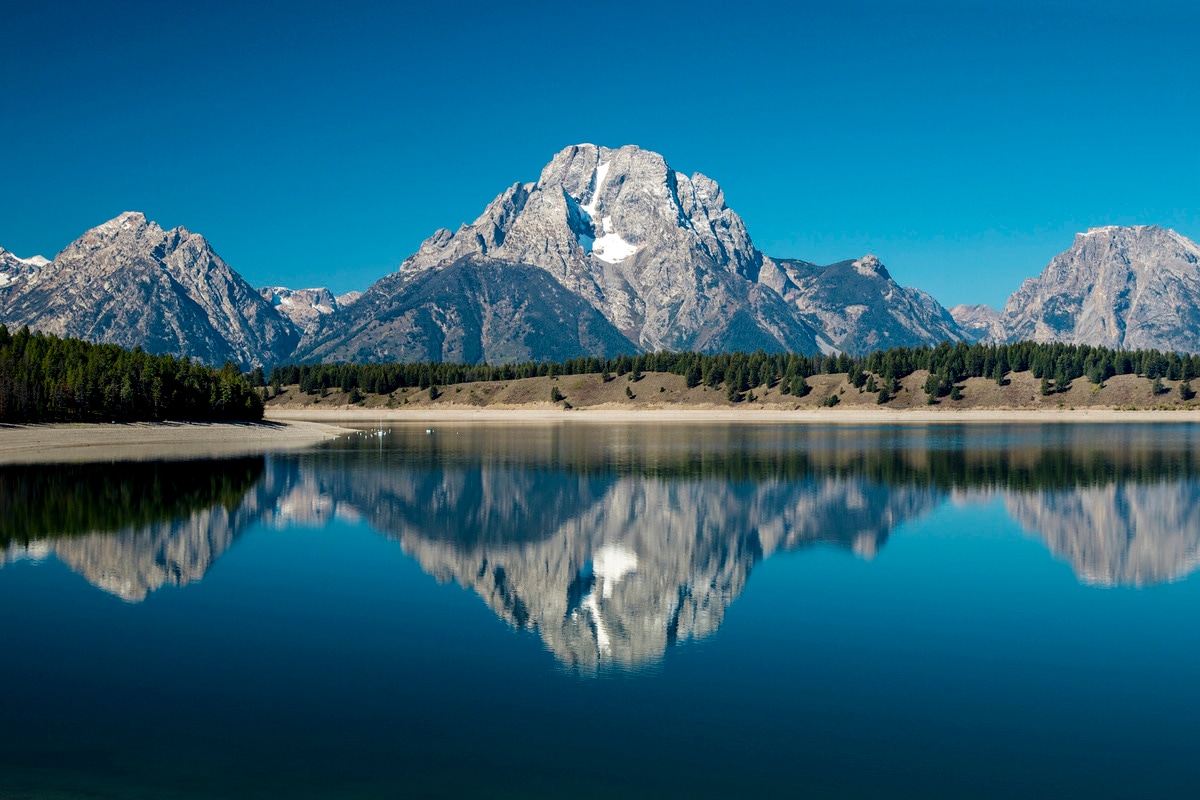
pixel 963 143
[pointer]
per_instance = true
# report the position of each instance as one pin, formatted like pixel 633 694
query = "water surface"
pixel 583 610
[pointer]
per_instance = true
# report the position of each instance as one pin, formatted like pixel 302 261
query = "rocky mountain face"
pixel 858 306
pixel 131 283
pixel 1121 287
pixel 305 307
pixel 659 255
pixel 473 310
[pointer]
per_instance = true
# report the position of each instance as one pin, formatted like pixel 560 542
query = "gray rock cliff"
pixel 1127 287
pixel 658 253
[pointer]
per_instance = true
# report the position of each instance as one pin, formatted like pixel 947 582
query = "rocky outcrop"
pixel 131 283
pixel 1121 287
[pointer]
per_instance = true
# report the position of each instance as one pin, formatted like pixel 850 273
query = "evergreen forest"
pixel 45 378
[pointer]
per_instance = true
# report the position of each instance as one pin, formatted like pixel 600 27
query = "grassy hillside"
pixel 666 390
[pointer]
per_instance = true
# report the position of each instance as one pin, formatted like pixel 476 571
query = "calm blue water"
pixel 586 611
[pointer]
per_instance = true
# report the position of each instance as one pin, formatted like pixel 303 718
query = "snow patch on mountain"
pixel 611 248
pixel 598 180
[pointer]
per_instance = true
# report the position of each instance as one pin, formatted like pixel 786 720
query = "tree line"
pixel 1057 365
pixel 46 378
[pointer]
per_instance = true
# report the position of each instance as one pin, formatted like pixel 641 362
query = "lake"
pixel 642 610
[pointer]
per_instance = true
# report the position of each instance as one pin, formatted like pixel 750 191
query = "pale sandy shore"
pixel 553 414
pixel 145 441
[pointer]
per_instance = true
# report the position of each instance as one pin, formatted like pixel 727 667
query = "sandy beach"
pixel 141 441
pixel 554 414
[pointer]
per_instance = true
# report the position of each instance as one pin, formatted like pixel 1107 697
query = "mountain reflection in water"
pixel 614 543
pixel 132 528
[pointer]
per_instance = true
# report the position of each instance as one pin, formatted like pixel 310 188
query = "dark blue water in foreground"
pixel 643 611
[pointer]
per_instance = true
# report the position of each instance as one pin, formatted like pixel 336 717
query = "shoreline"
pixel 73 442
pixel 832 416
pixel 292 429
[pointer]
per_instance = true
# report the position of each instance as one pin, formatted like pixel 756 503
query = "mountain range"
pixel 610 251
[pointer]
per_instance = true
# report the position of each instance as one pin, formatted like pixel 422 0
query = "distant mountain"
pixel 305 307
pixel 14 270
pixel 131 283
pixel 1128 287
pixel 662 258
pixel 979 323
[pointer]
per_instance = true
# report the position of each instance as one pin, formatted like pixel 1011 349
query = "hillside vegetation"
pixel 1023 376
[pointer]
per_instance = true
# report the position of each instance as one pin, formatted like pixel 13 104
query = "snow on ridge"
pixel 600 174
pixel 35 261
pixel 5 279
pixel 1100 229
